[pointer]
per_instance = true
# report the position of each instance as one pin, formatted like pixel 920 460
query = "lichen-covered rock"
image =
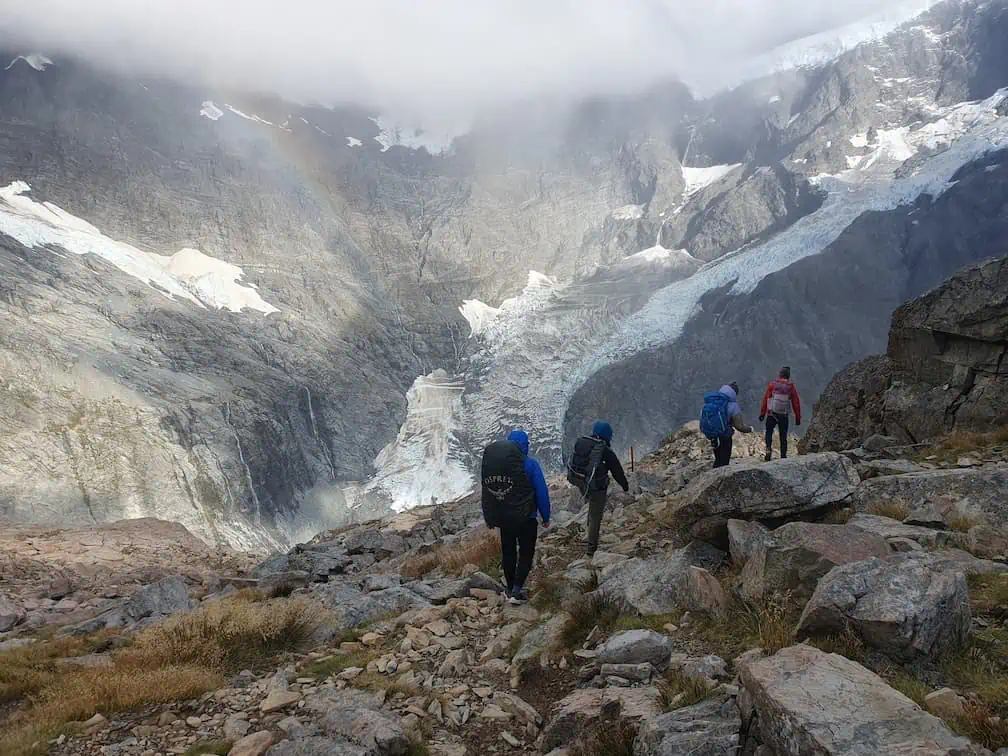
pixel 810 703
pixel 902 605
pixel 710 728
pixel 800 553
pixel 637 647
pixel 792 487
pixel 583 708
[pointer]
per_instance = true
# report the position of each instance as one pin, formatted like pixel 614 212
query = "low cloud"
pixel 422 58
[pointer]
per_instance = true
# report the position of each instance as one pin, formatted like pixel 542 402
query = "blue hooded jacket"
pixel 535 475
pixel 602 430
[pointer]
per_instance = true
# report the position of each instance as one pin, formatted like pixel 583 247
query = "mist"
pixel 429 60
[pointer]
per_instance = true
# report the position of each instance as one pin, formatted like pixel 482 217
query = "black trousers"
pixel 722 451
pixel 777 421
pixel 517 552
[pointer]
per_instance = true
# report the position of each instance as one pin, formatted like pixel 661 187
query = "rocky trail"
pixel 694 627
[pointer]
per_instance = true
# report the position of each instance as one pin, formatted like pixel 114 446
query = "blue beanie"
pixel 602 430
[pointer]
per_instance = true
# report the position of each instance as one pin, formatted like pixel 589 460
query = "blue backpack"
pixel 714 415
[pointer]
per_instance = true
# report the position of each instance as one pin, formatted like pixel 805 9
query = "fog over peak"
pixel 437 60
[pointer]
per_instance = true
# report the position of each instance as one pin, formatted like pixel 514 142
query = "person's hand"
pixel 751 430
pixel 763 417
pixel 546 525
pixel 797 422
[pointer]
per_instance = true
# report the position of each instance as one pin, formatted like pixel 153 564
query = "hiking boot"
pixel 768 456
pixel 519 596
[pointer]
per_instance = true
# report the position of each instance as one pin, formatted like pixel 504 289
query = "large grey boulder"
pixel 901 605
pixel 573 715
pixel 745 539
pixel 637 647
pixel 150 604
pixel 537 642
pixel 11 615
pixel 976 494
pixel 710 728
pixel 680 580
pixel 810 703
pixel 800 553
pixel 791 488
pixel 350 607
pixel 354 716
pixel 317 746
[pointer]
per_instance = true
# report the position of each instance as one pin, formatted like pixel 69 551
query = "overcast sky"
pixel 421 57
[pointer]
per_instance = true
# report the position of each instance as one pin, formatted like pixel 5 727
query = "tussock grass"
pixel 482 550
pixel 217 747
pixel 26 671
pixel 609 739
pixel 839 516
pixel 949 448
pixel 333 665
pixel 586 612
pixel 847 643
pixel 894 510
pixel 677 691
pixel 374 682
pixel 911 687
pixel 767 624
pixel 981 674
pixel 179 659
pixel 988 594
pixel 960 522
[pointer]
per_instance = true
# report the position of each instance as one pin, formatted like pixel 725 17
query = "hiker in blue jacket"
pixel 731 421
pixel 518 544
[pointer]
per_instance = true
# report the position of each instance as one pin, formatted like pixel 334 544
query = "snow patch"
pixel 774 100
pixel 700 178
pixel 661 256
pixel 391 134
pixel 211 111
pixel 188 274
pixel 354 142
pixel 628 212
pixel 478 314
pixel 35 60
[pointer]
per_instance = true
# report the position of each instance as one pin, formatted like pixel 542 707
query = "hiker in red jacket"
pixel 780 398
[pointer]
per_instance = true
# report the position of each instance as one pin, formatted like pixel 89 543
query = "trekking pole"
pixel 631 460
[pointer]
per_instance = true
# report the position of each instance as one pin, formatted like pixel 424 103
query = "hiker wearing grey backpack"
pixel 720 417
pixel 780 397
pixel 588 471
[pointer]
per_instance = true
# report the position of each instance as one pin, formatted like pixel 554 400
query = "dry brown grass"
pixel 988 594
pixel 847 643
pixel 961 522
pixel 608 739
pixel 981 674
pixel 767 624
pixel 953 445
pixel 676 691
pixel 482 550
pixel 179 659
pixel 893 509
pixel 587 612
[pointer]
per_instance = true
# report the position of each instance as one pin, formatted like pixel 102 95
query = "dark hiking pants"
pixel 722 451
pixel 596 508
pixel 517 552
pixel 777 421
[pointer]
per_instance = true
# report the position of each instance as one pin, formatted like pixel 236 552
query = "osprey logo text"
pixel 499 486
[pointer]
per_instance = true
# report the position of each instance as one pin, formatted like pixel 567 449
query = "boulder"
pixel 11 615
pixel 901 605
pixel 151 603
pixel 891 529
pixel 583 708
pixel 710 728
pixel 800 553
pixel 708 667
pixel 355 717
pixel 808 702
pixel 678 581
pixel 637 647
pixel 791 488
pixel 976 494
pixel 876 468
pixel 317 746
pixel 850 408
pixel 352 608
pixel 370 540
pixel 255 744
pixel 745 538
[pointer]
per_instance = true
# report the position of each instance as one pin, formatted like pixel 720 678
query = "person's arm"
pixel 538 480
pixel 613 463
pixel 796 404
pixel 739 423
pixel 766 399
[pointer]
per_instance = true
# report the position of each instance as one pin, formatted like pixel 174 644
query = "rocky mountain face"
pixel 945 368
pixel 308 363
